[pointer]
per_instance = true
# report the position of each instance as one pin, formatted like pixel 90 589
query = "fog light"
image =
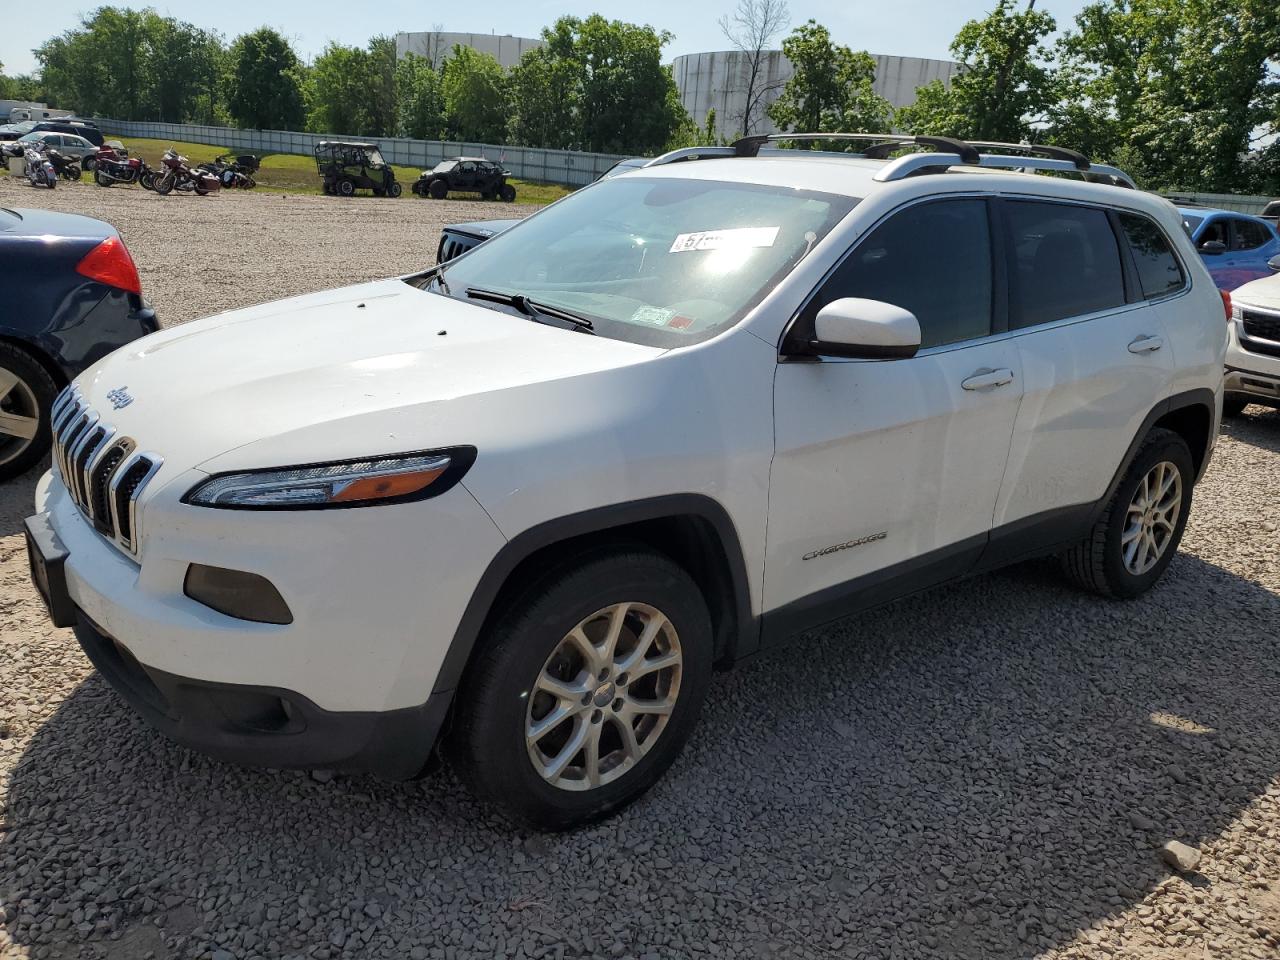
pixel 245 596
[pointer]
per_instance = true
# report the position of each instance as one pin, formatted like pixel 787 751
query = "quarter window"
pixel 933 259
pixel 1066 262
pixel 1159 272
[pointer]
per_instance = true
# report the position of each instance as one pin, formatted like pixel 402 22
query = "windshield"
pixel 665 262
pixel 444 166
pixel 1190 222
pixel 374 156
pixel 31 137
pixel 25 127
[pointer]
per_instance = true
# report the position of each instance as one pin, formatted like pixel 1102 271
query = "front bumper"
pixel 1252 372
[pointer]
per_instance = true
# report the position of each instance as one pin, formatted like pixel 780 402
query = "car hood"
pixel 1259 293
pixel 367 370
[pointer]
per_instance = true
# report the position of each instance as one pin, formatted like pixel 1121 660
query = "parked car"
pixel 665 424
pixel 625 166
pixel 72 296
pixel 346 167
pixel 458 238
pixel 1235 246
pixel 1272 212
pixel 465 175
pixel 1253 352
pixel 68 144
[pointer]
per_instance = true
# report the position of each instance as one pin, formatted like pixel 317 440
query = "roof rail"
pixel 691 153
pixel 881 144
pixel 1081 162
pixel 916 163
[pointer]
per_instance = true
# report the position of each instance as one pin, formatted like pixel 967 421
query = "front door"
pixel 886 473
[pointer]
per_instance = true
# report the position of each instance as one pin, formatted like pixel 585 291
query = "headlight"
pixel 348 483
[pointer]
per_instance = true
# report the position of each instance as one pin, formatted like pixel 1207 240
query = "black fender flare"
pixel 743 642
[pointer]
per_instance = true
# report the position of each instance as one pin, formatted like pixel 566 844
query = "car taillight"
pixel 1226 303
pixel 110 263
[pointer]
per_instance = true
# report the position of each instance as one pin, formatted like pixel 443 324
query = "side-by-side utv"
pixel 346 167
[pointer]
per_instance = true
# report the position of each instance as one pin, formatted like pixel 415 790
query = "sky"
pixel 919 28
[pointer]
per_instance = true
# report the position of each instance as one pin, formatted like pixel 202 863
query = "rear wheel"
pixel 438 190
pixel 585 690
pixel 346 188
pixel 1233 404
pixel 1138 533
pixel 148 180
pixel 26 396
pixel 101 179
pixel 89 162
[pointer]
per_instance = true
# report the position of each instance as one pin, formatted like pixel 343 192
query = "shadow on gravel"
pixel 984 771
pixel 17 500
pixel 1258 426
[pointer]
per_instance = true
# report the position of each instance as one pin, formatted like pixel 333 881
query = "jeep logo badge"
pixel 119 398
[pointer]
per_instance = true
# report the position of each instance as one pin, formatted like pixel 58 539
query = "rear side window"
pixel 1066 262
pixel 1159 272
pixel 933 259
pixel 1250 234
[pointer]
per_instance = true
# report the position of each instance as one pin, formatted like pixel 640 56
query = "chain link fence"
pixel 565 167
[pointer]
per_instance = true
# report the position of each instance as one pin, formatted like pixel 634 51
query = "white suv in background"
pixel 525 502
pixel 1253 353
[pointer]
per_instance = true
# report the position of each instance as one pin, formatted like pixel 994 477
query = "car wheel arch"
pixel 33 350
pixel 693 530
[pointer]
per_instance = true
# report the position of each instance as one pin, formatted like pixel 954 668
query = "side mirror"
pixel 1213 247
pixel 1274 264
pixel 865 329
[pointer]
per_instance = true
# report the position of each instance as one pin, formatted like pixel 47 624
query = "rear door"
pixel 1094 352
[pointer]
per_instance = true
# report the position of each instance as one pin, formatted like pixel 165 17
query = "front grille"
pixel 104 474
pixel 1264 326
pixel 453 245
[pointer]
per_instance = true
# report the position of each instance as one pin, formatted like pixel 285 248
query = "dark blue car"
pixel 71 295
pixel 1234 246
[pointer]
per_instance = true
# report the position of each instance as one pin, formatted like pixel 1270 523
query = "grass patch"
pixel 293 173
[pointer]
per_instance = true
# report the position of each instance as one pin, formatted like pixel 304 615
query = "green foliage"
pixel 544 92
pixel 266 82
pixel 420 101
pixel 831 89
pixel 475 96
pixel 625 100
pixel 1005 86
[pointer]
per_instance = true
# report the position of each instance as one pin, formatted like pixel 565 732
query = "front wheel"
pixel 508 193
pixel 346 188
pixel 1135 539
pixel 438 190
pixel 165 184
pixel 585 690
pixel 395 189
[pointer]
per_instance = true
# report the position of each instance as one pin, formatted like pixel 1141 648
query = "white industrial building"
pixel 436 45
pixel 718 81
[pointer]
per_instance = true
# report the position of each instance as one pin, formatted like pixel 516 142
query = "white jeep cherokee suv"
pixel 526 502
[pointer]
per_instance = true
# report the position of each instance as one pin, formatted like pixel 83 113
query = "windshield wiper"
pixel 531 308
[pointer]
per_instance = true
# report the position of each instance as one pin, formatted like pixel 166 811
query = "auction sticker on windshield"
pixel 720 239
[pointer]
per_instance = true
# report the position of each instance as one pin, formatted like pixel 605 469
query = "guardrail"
pixel 1238 202
pixel 565 167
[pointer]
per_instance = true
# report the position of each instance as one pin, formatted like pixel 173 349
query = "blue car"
pixel 1234 246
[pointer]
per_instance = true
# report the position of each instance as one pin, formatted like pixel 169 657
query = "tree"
pixel 1005 87
pixel 627 101
pixel 383 102
pixel 420 101
pixel 751 28
pixel 475 97
pixel 832 89
pixel 337 92
pixel 266 82
pixel 544 93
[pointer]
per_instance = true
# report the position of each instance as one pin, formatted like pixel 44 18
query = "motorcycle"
pixel 38 169
pixel 110 170
pixel 179 174
pixel 234 174
pixel 68 168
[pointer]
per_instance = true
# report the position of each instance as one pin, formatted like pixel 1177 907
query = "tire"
pixel 498 707
pixel 101 179
pixel 200 189
pixel 438 190
pixel 148 180
pixel 508 193
pixel 346 188
pixel 89 163
pixel 30 397
pixel 165 184
pixel 1233 404
pixel 395 189
pixel 1101 563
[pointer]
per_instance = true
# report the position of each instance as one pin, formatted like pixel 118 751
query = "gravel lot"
pixel 987 771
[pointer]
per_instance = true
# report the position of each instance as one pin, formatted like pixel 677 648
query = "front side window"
pixel 1250 235
pixel 660 261
pixel 1215 231
pixel 1159 272
pixel 1066 262
pixel 933 259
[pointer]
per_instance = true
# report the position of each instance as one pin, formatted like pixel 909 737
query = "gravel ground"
pixel 987 771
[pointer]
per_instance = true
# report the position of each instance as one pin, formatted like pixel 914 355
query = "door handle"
pixel 1146 344
pixel 988 378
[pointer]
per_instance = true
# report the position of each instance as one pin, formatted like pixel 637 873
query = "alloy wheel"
pixel 604 696
pixel 1152 518
pixel 19 415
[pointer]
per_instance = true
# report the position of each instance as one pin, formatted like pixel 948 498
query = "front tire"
pixel 1135 539
pixel 346 188
pixel 395 190
pixel 438 190
pixel 27 392
pixel 508 193
pixel 165 184
pixel 585 690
